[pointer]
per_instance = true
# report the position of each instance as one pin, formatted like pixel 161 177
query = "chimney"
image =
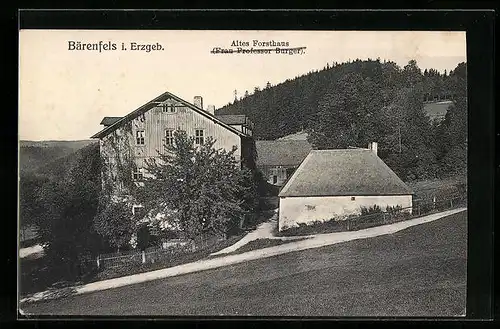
pixel 198 102
pixel 373 146
pixel 211 109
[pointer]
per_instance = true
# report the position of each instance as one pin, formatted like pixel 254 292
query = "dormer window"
pixel 168 108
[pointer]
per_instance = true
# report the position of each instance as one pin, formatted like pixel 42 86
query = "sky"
pixel 64 94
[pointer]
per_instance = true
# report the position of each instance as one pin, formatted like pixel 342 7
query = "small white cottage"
pixel 336 183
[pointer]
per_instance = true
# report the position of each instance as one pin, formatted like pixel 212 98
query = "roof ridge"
pixel 295 174
pixel 336 172
pixel 281 140
pixel 166 94
pixel 339 150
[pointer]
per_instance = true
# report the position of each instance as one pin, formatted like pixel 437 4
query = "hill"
pixel 289 107
pixel 35 154
pixel 351 104
pixel 38 188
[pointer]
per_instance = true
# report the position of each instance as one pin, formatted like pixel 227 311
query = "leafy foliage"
pixel 375 209
pixel 62 208
pixel 116 223
pixel 351 104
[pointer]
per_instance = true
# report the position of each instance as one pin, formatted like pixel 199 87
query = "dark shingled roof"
pixel 344 172
pixel 108 121
pixel 232 119
pixel 281 153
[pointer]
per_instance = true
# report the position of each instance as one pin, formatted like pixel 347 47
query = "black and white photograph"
pixel 264 173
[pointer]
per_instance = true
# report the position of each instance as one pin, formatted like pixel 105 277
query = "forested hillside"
pixel 351 104
pixel 34 154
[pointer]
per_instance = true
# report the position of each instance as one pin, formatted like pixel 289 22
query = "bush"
pixel 316 227
pixel 370 210
pixel 115 223
pixel 425 207
pixel 144 238
pixel 370 215
pixel 393 210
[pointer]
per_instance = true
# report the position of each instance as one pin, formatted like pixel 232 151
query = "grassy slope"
pixel 35 276
pixel 420 271
pixel 261 244
pixel 440 187
pixel 436 109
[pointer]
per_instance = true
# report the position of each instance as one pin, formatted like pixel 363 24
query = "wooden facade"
pixel 277 175
pixel 143 134
pixel 159 123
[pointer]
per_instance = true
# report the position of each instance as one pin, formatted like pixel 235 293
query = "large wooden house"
pixel 143 133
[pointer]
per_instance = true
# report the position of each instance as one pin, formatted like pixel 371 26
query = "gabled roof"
pixel 153 103
pixel 233 119
pixel 281 152
pixel 301 135
pixel 344 172
pixel 108 121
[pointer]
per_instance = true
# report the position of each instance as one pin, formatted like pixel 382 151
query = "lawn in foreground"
pixel 420 271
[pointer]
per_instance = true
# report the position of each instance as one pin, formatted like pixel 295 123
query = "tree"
pixel 335 125
pixel 30 205
pixel 204 188
pixel 451 135
pixel 69 205
pixel 412 74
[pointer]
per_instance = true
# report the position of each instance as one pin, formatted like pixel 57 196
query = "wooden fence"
pixel 176 247
pixel 166 250
pixel 418 209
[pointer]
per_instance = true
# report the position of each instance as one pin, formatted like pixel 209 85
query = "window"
pixel 138 175
pixel 353 198
pixel 168 108
pixel 275 179
pixel 199 137
pixel 138 211
pixel 139 136
pixel 169 137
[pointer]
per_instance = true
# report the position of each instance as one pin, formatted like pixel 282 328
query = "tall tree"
pixel 413 156
pixel 115 222
pixel 451 138
pixel 335 125
pixel 201 187
pixel 70 204
pixel 412 74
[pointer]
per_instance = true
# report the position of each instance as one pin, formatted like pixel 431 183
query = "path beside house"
pixel 314 242
pixel 428 278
